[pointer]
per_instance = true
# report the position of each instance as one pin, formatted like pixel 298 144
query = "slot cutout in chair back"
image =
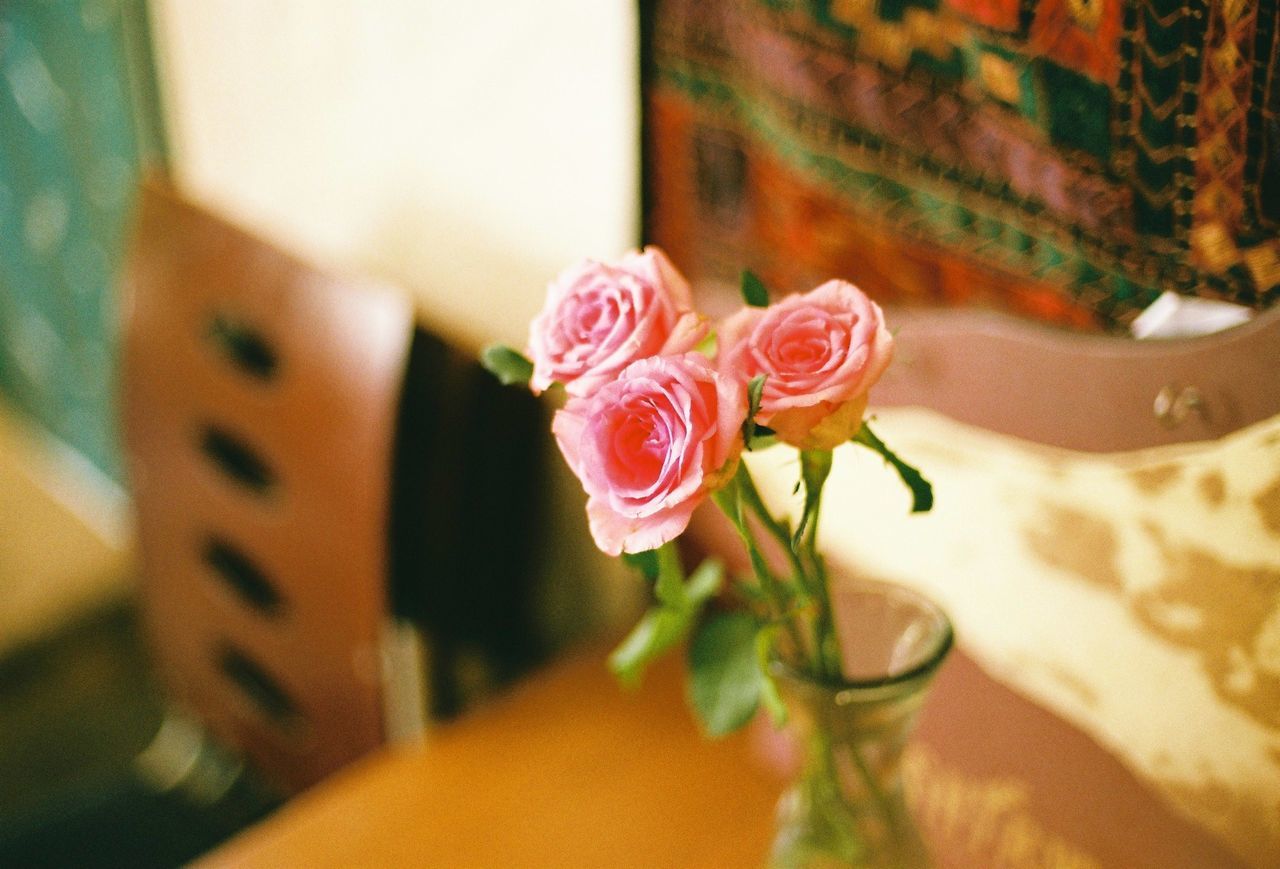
pixel 243 576
pixel 260 688
pixel 244 347
pixel 237 460
pixel 258 403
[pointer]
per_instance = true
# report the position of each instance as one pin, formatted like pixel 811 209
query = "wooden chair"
pixel 259 407
pixel 323 490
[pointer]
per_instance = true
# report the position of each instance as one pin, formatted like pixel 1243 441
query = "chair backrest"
pixel 259 401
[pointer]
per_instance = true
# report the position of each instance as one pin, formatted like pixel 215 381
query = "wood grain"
pixel 569 770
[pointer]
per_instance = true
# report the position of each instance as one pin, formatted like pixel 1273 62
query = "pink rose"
pixel 601 317
pixel 821 352
pixel 650 445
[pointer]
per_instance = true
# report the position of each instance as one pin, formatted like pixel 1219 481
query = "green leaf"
pixel 705 581
pixel 921 489
pixel 724 678
pixel 666 624
pixel 754 292
pixel 658 630
pixel 646 562
pixel 766 638
pixel 509 366
pixel 752 591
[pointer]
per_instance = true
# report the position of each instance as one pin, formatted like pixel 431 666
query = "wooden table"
pixel 567 770
pixel 570 770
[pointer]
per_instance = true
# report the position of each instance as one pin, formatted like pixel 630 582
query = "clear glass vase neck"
pixel 846 806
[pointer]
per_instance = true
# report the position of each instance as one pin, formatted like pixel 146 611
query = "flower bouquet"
pixel 658 411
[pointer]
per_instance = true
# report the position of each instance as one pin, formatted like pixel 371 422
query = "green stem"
pixel 824 624
pixel 811 579
pixel 751 495
pixel 824 779
pixel 729 500
pixel 828 800
pixel 816 466
pixel 878 796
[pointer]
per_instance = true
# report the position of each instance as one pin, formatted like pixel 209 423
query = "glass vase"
pixel 846 805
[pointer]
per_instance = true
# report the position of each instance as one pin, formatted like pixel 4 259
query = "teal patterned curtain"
pixel 79 122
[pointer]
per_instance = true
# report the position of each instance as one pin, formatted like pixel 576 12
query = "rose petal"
pixel 615 533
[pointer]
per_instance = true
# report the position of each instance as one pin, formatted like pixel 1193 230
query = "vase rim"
pixel 942 640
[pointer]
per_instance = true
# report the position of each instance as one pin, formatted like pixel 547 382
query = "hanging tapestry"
pixel 1066 160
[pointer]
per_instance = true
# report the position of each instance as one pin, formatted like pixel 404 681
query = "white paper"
pixel 1175 316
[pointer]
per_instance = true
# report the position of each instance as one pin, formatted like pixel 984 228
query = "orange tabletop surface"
pixel 569 769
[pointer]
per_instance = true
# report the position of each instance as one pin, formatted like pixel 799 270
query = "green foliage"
pixel 755 390
pixel 658 630
pixel 754 292
pixel 752 592
pixel 732 503
pixel 646 562
pixel 766 639
pixel 728 498
pixel 921 489
pixel 725 677
pixel 509 366
pixel 679 603
pixel 762 437
pixel 705 581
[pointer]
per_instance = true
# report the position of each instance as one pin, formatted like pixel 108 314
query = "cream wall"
pixel 466 151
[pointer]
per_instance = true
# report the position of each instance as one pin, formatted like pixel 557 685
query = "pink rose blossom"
pixel 601 317
pixel 821 352
pixel 650 445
